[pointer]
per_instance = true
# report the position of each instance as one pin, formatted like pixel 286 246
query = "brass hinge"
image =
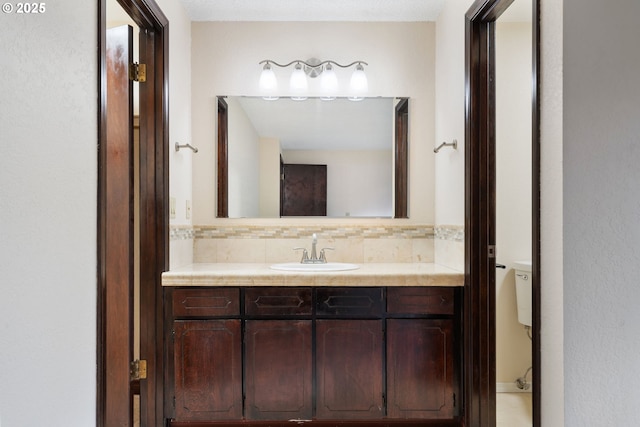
pixel 138 370
pixel 138 72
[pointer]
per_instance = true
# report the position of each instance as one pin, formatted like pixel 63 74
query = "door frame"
pixel 154 211
pixel 222 160
pixel 480 201
pixel 401 159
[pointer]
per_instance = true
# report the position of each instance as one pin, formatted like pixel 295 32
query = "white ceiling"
pixel 313 10
pixel 332 10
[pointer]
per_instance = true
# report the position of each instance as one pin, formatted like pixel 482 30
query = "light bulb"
pixel 298 84
pixel 358 85
pixel 328 83
pixel 268 83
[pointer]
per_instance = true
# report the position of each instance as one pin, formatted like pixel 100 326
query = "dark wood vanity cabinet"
pixel 278 353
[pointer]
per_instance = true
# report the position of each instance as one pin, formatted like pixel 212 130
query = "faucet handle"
pixel 305 255
pixel 323 258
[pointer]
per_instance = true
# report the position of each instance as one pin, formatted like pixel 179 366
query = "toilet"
pixel 523 291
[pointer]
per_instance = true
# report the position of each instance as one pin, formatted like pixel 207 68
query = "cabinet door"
pixel 349 369
pixel 420 367
pixel 208 369
pixel 278 368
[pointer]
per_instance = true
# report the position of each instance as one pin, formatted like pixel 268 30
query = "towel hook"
pixel 178 147
pixel 453 144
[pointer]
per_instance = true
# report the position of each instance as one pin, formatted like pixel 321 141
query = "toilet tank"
pixel 523 291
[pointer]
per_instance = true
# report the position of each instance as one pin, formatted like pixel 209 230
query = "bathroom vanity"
pixel 248 345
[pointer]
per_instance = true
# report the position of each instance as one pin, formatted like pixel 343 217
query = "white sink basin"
pixel 329 266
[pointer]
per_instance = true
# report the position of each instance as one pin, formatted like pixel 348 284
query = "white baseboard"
pixel 511 388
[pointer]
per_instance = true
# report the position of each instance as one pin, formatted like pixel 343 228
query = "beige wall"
pixel 449 163
pixel 350 177
pixel 244 163
pixel 180 163
pixel 269 178
pixel 513 194
pixel 401 59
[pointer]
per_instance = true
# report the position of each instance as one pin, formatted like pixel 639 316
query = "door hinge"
pixel 138 72
pixel 138 370
pixel 492 251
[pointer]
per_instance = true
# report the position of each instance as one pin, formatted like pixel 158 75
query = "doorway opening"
pixel 480 224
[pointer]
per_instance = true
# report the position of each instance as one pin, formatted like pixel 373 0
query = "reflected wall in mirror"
pixel 357 141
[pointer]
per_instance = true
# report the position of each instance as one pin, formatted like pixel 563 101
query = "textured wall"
pixel 48 176
pixel 551 333
pixel 601 212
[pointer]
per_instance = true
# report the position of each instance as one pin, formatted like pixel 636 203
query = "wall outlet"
pixel 172 208
pixel 188 210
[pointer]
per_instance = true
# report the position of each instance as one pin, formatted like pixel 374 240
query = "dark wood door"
pixel 349 369
pixel 278 369
pixel 117 232
pixel 223 160
pixel 303 190
pixel 420 366
pixel 401 149
pixel 208 369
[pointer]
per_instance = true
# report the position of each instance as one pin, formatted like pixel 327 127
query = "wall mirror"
pixel 363 145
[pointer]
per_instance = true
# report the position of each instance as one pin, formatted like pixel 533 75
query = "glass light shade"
pixel 298 84
pixel 328 83
pixel 358 86
pixel 268 83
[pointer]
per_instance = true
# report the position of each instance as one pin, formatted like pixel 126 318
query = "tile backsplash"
pixel 351 243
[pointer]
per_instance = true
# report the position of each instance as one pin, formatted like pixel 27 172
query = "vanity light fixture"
pixel 298 83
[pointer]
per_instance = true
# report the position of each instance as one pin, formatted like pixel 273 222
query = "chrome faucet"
pixel 313 258
pixel 314 242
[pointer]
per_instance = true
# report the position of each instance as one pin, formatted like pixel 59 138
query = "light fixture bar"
pixel 311 65
pixel 313 68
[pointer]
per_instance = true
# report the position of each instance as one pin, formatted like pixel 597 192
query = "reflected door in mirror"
pixel 303 190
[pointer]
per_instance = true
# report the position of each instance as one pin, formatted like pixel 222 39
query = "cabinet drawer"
pixel 349 301
pixel 420 300
pixel 277 301
pixel 206 302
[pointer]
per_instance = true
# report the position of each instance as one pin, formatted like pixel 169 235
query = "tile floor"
pixel 513 410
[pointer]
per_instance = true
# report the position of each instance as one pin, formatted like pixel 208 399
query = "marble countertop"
pixel 374 274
